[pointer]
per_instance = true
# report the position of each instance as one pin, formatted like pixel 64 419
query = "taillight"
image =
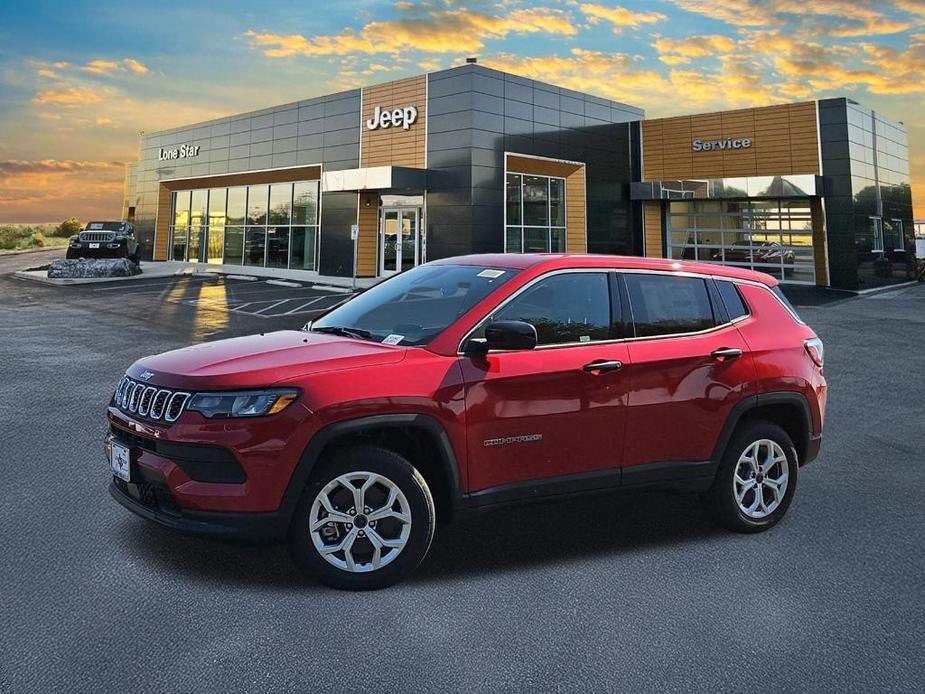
pixel 815 350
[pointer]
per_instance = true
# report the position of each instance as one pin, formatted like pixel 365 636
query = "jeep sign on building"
pixel 471 160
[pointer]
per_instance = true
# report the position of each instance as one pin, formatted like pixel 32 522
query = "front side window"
pixel 565 308
pixel 414 307
pixel 668 305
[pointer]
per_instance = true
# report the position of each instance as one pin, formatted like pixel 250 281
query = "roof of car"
pixel 556 261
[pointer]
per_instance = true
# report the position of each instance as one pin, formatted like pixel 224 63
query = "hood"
pixel 260 360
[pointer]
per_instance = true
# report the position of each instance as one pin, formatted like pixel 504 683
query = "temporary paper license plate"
pixel 120 460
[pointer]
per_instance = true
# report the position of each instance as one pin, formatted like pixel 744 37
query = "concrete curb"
pixel 885 288
pixel 41 276
pixel 174 269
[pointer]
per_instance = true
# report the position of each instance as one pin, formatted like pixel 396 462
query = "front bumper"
pixel 146 500
pixel 199 466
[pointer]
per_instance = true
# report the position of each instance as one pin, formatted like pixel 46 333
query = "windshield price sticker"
pixel 491 274
pixel 393 339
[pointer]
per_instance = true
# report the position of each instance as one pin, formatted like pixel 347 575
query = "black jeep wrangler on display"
pixel 104 240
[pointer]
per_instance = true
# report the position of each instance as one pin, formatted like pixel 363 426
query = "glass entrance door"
pixel 399 239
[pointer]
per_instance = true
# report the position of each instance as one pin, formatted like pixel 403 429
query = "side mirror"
pixel 508 335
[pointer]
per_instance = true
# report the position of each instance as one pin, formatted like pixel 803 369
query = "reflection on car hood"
pixel 260 360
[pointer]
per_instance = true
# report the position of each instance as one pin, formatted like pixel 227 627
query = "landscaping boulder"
pixel 84 268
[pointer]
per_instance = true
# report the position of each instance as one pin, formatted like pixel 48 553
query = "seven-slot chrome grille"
pixel 97 236
pixel 150 402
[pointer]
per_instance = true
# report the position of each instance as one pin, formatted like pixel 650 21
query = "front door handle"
pixel 602 366
pixel 726 353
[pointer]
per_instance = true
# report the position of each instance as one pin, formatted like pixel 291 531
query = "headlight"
pixel 245 403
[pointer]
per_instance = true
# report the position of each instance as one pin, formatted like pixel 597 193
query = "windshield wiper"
pixel 346 332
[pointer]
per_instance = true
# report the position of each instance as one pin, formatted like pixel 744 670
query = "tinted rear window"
pixel 732 300
pixel 666 305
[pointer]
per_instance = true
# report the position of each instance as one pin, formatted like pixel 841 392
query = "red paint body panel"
pixel 543 393
pixel 669 401
pixel 775 341
pixel 680 397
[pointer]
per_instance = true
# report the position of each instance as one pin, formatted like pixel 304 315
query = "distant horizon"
pixel 72 109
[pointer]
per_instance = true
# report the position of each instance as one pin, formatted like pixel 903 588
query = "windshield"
pixel 105 226
pixel 414 307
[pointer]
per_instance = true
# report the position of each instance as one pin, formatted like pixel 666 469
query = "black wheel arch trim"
pixel 752 402
pixel 446 456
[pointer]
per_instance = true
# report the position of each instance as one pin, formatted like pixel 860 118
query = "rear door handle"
pixel 726 353
pixel 602 366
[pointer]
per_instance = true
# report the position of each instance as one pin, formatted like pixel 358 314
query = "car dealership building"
pixel 376 180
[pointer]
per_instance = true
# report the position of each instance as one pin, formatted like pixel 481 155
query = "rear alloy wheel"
pixel 365 521
pixel 761 479
pixel 756 479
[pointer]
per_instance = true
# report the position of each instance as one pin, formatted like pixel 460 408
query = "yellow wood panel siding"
pixel 161 228
pixel 784 141
pixel 576 231
pixel 368 220
pixel 161 231
pixel 575 223
pixel 819 246
pixel 395 146
pixel 652 225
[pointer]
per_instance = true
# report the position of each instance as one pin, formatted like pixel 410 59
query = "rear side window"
pixel 732 300
pixel 667 305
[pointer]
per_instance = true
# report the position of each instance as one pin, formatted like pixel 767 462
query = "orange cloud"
pixel 618 76
pixel 620 17
pixel 67 96
pixel 676 51
pixel 843 18
pixel 447 31
pixel 101 66
pixel 135 66
pixel 50 190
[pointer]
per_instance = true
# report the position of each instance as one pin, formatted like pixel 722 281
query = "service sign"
pixel 181 152
pixel 728 143
pixel 388 118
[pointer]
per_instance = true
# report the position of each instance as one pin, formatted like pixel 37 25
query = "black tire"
pixel 420 504
pixel 134 258
pixel 70 255
pixel 720 500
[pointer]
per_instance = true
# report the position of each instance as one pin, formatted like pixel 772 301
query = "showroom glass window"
pixel 255 236
pixel 180 227
pixel 535 207
pixel 773 236
pixel 263 225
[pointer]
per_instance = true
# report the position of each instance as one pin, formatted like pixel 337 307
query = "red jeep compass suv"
pixel 472 382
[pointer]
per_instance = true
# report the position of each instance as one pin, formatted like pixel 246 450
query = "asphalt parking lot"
pixel 630 594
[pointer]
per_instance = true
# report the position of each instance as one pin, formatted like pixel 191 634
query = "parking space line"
pixel 307 303
pixel 271 306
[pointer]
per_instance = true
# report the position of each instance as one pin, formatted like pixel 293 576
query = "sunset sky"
pixel 78 80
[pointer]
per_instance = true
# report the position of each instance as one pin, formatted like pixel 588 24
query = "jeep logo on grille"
pixel 146 375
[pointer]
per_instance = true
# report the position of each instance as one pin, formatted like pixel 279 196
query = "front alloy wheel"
pixel 365 519
pixel 360 521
